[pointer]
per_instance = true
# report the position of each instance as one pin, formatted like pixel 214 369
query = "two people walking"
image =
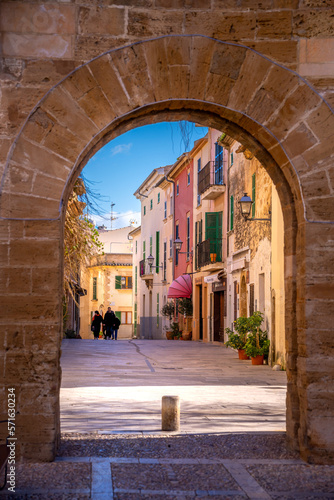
pixel 110 322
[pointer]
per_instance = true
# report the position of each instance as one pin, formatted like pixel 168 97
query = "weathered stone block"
pixel 274 24
pixel 43 230
pixel 12 278
pixel 158 68
pixel 293 110
pixel 315 184
pixel 48 187
pixel 33 309
pixel 223 26
pixel 308 23
pixel 252 73
pixel 284 52
pixel 26 17
pixel 106 77
pixel 272 92
pixel 144 24
pixel 40 159
pixel 95 19
pixel 52 46
pixel 38 126
pixel 321 122
pixel 130 64
pixel 201 57
pixel 299 140
pixel 64 143
pixel 89 46
pixel 39 253
pixel 68 114
pixel 46 73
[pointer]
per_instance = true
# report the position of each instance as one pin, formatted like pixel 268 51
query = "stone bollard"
pixel 170 413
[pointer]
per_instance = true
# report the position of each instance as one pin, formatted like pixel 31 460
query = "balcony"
pixel 211 181
pixel 209 254
pixel 146 272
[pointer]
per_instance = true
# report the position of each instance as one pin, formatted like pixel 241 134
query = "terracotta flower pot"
pixel 258 360
pixel 169 335
pixel 186 335
pixel 242 354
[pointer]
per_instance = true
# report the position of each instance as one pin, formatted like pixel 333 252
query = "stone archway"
pixel 266 107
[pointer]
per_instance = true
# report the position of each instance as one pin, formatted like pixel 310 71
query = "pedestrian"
pixel 96 324
pixel 108 321
pixel 116 326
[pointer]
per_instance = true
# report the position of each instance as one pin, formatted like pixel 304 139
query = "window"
pixel 144 210
pixel 123 282
pixel 94 288
pixel 136 247
pixel 158 311
pixel 151 204
pixel 176 237
pixel 135 319
pixel 253 194
pixel 157 251
pixel 171 248
pixel 171 206
pixel 165 261
pixel 125 317
pixel 151 245
pixel 219 153
pixel 158 198
pixel 251 299
pixel 198 170
pixel 177 188
pixel 231 158
pixel 188 236
pixel 231 213
pixel 188 177
pixel 214 233
pixel 144 250
pixel 136 279
pixel 165 210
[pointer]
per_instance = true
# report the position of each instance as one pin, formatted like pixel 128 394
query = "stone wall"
pixel 223 63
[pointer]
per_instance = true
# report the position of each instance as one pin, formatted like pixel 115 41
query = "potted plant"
pixel 168 311
pixel 237 340
pixel 176 332
pixel 185 307
pixel 257 345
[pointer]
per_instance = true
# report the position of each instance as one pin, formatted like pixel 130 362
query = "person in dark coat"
pixel 116 326
pixel 108 321
pixel 96 324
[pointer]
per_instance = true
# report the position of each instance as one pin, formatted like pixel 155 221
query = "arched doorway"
pixel 218 84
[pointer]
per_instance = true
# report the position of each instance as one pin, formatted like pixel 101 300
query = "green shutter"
pixel 253 195
pixel 118 315
pixel 144 250
pixel 151 245
pixel 231 213
pixel 118 282
pixel 232 158
pixel 157 251
pixel 136 279
pixel 214 232
pixel 158 197
pixel 135 319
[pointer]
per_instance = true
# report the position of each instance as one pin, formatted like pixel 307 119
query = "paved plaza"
pixel 231 444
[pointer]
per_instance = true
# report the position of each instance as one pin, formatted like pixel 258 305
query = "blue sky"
pixel 123 164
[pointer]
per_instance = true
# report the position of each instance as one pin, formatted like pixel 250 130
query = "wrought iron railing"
pixel 210 175
pixel 145 268
pixel 209 252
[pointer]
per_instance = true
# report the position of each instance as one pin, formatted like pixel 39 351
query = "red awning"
pixel 181 287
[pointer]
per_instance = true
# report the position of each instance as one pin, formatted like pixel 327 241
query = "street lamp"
pixel 245 206
pixel 178 245
pixel 150 260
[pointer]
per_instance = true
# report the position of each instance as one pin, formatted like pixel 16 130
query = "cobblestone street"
pixel 231 444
